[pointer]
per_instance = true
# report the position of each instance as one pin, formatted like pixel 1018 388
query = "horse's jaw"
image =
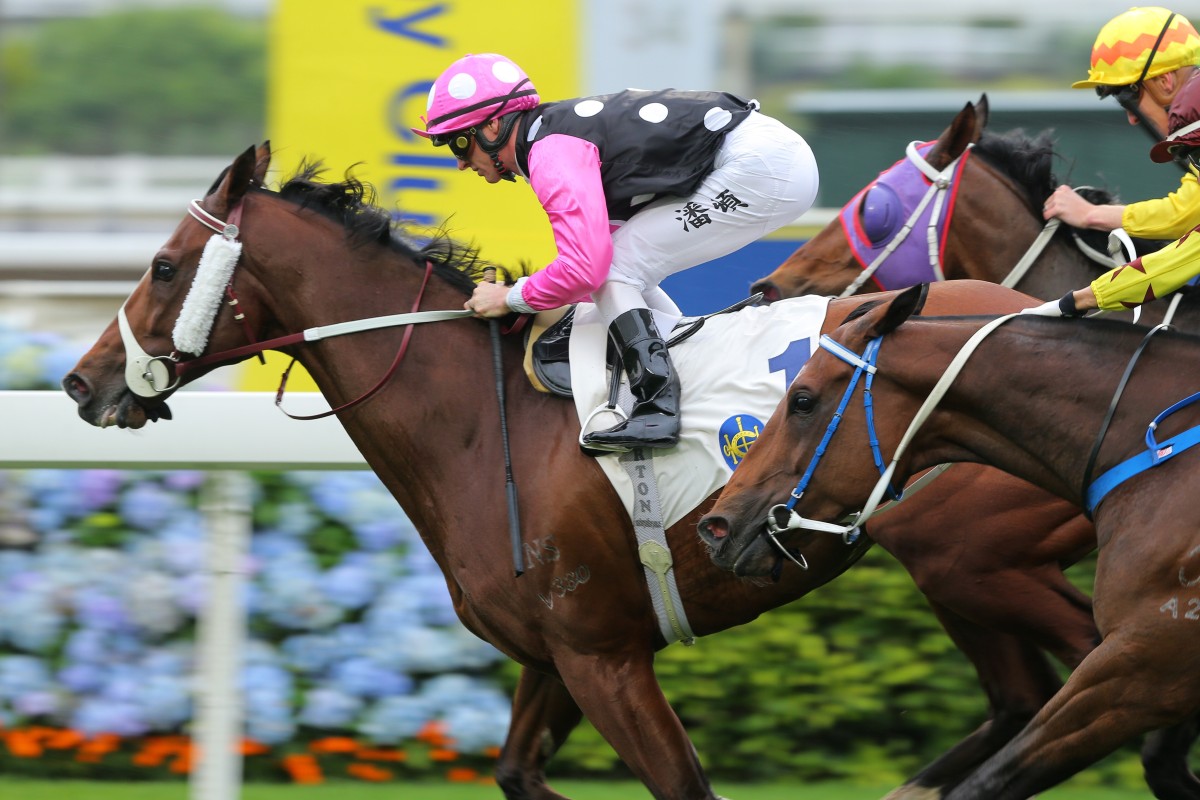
pixel 111 406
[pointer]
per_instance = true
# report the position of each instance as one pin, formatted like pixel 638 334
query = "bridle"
pixel 933 211
pixel 941 183
pixel 152 376
pixel 884 489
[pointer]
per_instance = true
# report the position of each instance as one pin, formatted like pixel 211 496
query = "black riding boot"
pixel 654 420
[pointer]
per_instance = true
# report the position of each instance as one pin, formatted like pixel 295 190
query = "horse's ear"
pixel 906 304
pixel 981 112
pixel 247 171
pixel 963 131
pixel 262 162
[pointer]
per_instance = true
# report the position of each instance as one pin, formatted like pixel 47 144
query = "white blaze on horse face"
pixel 144 373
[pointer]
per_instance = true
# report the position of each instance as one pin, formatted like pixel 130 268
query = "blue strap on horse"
pixel 1154 454
pixel 862 364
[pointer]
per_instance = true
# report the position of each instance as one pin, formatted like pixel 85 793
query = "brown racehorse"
pixel 996 222
pixel 314 254
pixel 1032 399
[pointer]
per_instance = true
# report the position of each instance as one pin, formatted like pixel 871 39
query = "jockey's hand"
pixel 489 300
pixel 1066 204
pixel 1071 304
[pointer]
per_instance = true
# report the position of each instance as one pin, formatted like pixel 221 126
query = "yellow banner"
pixel 348 79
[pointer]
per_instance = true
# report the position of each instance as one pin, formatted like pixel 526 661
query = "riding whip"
pixel 514 518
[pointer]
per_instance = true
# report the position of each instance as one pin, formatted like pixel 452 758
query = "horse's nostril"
pixel 714 527
pixel 76 388
pixel 770 291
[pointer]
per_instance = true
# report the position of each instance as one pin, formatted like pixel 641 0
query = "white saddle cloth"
pixel 733 373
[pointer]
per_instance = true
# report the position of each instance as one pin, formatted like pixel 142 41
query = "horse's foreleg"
pixel 1165 760
pixel 622 698
pixel 543 716
pixel 1018 680
pixel 1120 691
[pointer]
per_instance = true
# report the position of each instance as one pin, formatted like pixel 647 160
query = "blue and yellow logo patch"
pixel 735 436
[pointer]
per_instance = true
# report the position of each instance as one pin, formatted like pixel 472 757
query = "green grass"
pixel 576 790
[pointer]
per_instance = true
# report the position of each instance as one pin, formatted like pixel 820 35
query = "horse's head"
pixel 175 313
pixel 875 218
pixel 798 466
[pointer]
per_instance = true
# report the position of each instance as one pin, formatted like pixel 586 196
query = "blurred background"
pixel 114 113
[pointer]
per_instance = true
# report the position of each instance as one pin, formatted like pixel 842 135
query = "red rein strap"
pixel 386 377
pixel 298 338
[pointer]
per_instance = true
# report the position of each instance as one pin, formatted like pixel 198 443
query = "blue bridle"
pixel 864 363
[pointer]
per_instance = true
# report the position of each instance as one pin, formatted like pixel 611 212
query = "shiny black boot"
pixel 654 420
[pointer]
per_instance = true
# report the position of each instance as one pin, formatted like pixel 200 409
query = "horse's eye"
pixel 163 270
pixel 803 403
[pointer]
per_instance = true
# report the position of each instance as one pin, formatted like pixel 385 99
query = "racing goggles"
pixel 459 142
pixel 1127 95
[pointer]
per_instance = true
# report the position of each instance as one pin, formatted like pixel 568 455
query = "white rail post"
pixel 222 633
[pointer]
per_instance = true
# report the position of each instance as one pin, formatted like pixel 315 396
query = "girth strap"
pixel 653 549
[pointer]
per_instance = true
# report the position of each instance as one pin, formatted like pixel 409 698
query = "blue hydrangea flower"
pixel 328 708
pixel 147 505
pixel 363 677
pixel 394 719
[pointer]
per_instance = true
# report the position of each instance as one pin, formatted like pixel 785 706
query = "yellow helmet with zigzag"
pixel 1141 36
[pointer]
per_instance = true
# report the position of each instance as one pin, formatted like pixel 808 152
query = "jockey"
pixel 1160 273
pixel 1143 58
pixel 638 185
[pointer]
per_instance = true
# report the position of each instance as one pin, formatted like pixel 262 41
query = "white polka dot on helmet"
pixel 473 90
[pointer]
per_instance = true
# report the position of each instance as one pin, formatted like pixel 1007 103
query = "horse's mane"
pixel 1028 161
pixel 351 203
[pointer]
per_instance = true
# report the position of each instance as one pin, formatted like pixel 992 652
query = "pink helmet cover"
pixel 473 90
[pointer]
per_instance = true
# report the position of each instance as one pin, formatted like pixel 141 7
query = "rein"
pixel 150 376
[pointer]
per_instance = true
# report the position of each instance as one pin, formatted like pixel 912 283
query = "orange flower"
pixel 65 739
pixel 433 733
pixel 492 752
pixel 333 744
pixel 303 768
pixel 182 764
pixel 22 744
pixel 148 758
pixel 252 748
pixel 369 772
pixel 381 754
pixel 462 775
pixel 442 754
pixel 41 733
pixel 95 748
pixel 166 745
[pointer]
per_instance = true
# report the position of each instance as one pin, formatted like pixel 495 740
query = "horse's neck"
pixel 1014 405
pixel 1059 268
pixel 435 419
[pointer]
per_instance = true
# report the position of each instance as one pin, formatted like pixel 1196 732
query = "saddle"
pixel 548 345
pixel 547 351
